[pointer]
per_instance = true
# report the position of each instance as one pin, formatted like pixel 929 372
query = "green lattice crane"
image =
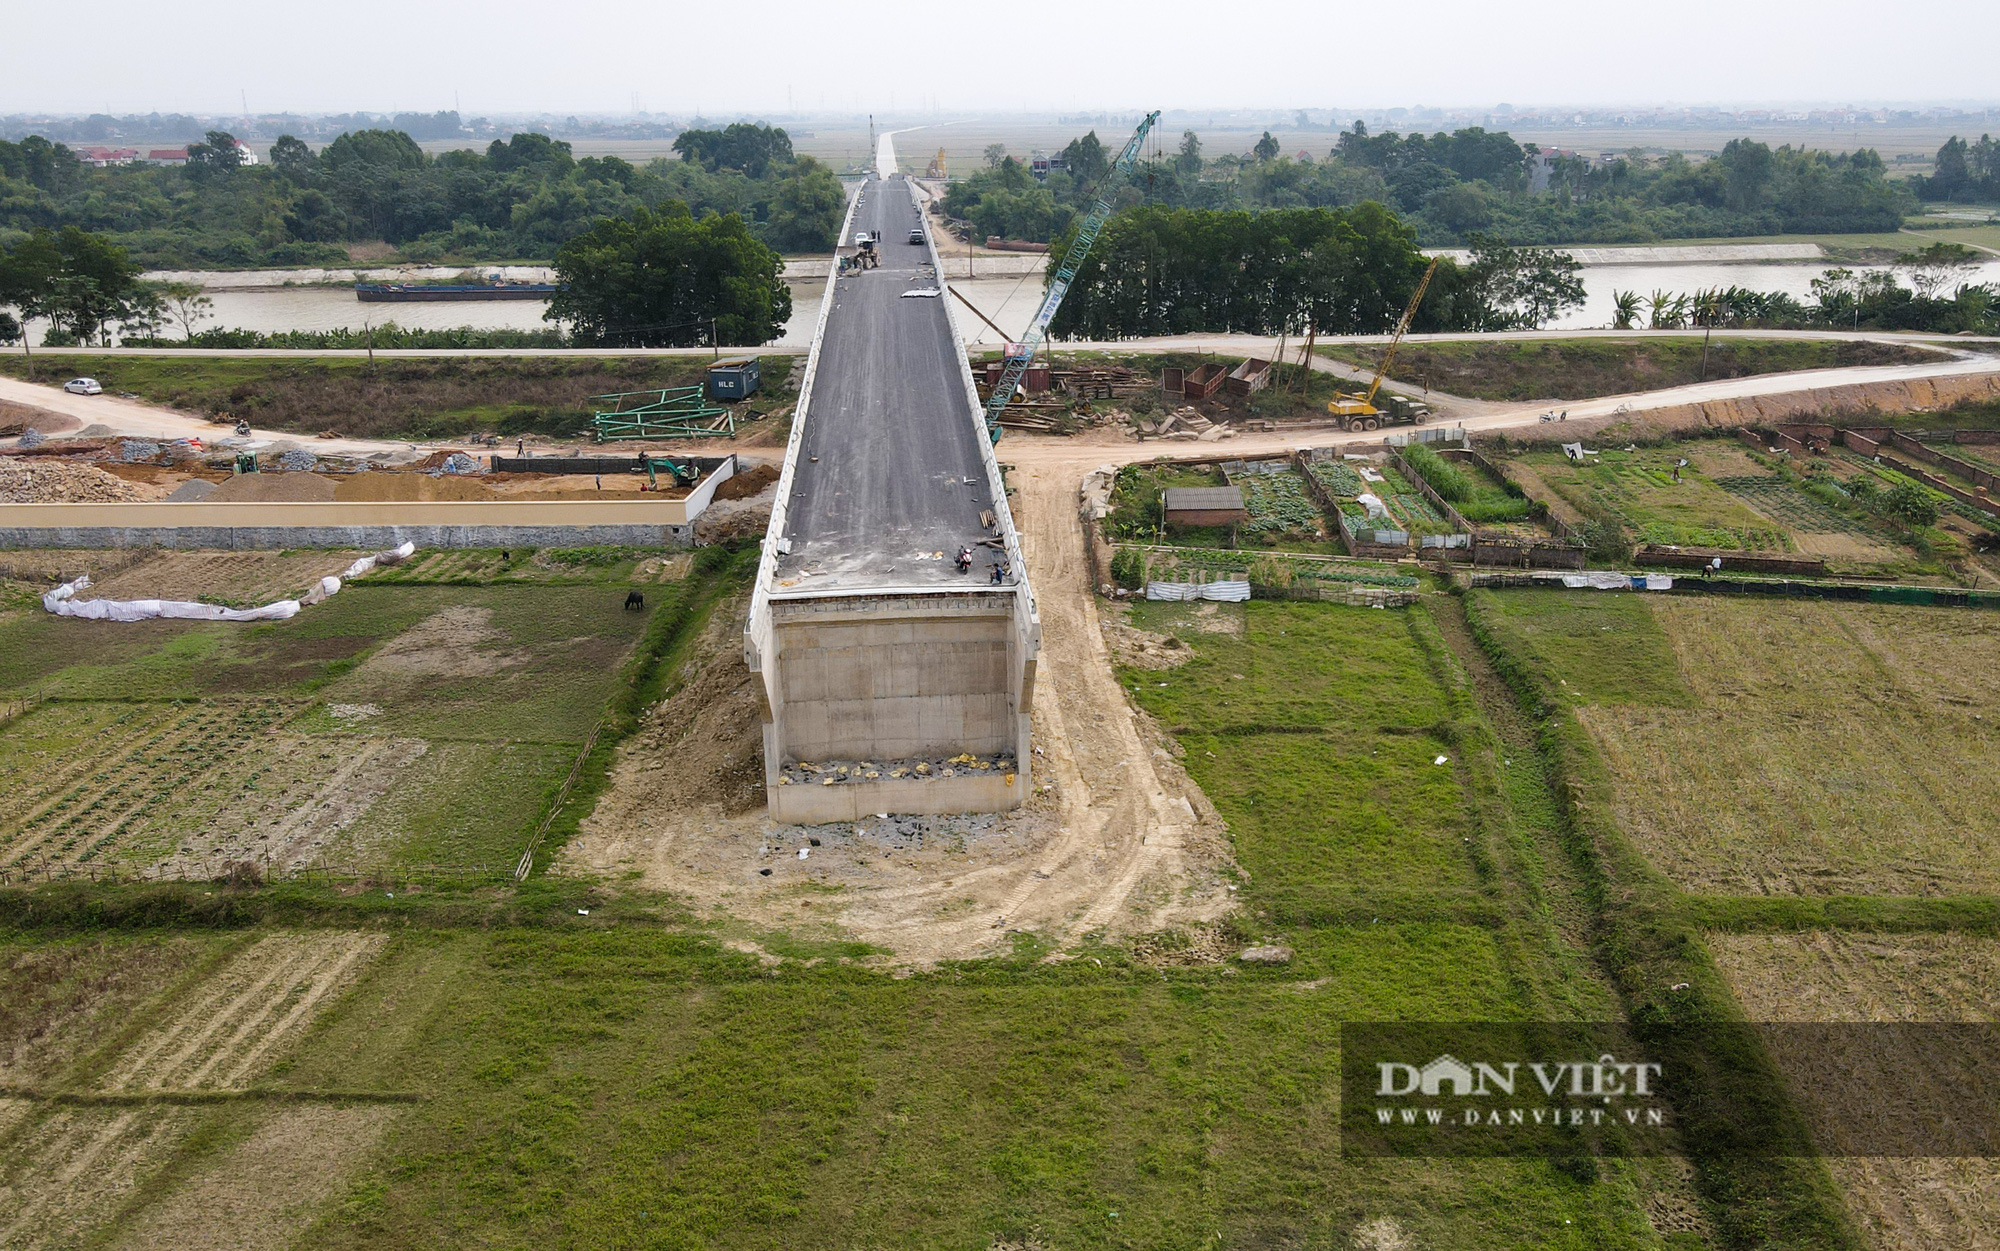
pixel 1021 355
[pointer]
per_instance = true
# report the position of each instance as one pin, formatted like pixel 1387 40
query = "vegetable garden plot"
pixel 1337 478
pixel 1408 507
pixel 1278 504
pixel 1213 561
pixel 136 766
pixel 1786 503
pixel 1639 489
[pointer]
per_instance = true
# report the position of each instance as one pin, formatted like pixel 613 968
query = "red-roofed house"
pixel 101 157
pixel 167 156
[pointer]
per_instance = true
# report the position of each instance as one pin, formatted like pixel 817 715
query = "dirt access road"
pixel 1116 840
pixel 153 421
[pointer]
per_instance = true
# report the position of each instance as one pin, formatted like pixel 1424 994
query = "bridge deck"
pixel 889 470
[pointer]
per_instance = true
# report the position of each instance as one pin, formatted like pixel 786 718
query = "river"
pixel 1008 300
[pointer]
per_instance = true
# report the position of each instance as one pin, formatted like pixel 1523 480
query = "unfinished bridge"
pixel 889 680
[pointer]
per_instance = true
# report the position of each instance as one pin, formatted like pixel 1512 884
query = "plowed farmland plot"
pixel 390 724
pixel 70 1170
pixel 117 784
pixel 1911 1202
pixel 239 579
pixel 1788 747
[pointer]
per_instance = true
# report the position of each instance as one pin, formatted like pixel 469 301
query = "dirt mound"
pixel 64 482
pixel 749 483
pixel 390 486
pixel 732 519
pixel 705 744
pixel 27 415
pixel 273 488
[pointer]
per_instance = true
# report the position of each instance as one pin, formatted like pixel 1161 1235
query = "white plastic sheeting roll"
pixel 63 602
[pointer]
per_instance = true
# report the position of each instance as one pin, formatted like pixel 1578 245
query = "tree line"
pixel 1331 271
pixel 1470 182
pixel 521 198
pixel 1965 172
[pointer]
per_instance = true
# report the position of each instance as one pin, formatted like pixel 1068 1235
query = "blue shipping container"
pixel 732 380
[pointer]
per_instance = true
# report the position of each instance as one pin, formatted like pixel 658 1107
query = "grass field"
pixel 395 396
pixel 1321 768
pixel 1787 747
pixel 595 1087
pixel 390 724
pixel 1566 369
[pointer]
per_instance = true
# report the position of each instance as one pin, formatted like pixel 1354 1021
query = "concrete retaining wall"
pixel 265 538
pixel 537 523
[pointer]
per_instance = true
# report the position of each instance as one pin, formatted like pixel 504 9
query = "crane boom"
pixel 1402 325
pixel 1021 355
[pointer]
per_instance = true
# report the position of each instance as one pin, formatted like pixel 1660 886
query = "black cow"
pixel 635 602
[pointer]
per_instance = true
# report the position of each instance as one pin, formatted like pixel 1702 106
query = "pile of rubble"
pixel 1186 425
pixel 62 482
pixel 920 769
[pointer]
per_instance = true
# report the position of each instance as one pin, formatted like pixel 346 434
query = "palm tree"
pixel 1624 309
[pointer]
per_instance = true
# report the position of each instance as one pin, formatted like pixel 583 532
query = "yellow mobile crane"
pixel 1358 412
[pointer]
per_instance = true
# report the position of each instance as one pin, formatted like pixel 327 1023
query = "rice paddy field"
pixel 1899 1201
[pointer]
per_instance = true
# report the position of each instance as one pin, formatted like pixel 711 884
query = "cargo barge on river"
pixel 400 293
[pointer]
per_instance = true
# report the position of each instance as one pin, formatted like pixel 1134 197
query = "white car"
pixel 83 386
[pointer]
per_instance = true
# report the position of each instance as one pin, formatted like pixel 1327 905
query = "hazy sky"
pixel 209 56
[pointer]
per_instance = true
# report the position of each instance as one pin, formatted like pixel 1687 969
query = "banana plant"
pixel 1624 309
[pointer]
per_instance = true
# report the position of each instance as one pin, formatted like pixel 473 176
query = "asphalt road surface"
pixel 889 474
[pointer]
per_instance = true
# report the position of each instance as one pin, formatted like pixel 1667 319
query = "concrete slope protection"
pixel 889 679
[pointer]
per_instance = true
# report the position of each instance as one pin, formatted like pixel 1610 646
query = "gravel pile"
pixel 59 482
pixel 32 437
pixel 457 462
pixel 132 451
pixel 298 460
